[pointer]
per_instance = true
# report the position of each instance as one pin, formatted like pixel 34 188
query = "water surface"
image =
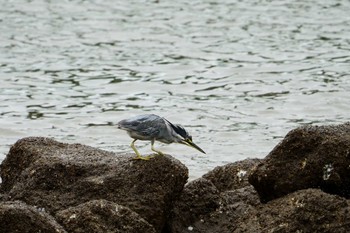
pixel 237 74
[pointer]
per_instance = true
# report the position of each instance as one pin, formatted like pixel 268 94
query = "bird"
pixel 150 127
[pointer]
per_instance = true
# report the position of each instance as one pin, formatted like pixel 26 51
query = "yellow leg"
pixel 152 147
pixel 138 155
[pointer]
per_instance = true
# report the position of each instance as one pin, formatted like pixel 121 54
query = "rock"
pixel 101 216
pixel 308 157
pixel 308 210
pixel 233 175
pixel 56 176
pixel 213 205
pixel 199 198
pixel 16 216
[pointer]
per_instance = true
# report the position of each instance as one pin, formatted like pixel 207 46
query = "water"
pixel 237 74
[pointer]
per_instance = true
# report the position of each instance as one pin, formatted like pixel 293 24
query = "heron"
pixel 150 127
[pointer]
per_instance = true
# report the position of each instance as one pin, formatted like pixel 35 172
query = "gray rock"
pixel 102 216
pixel 16 216
pixel 56 176
pixel 308 157
pixel 309 210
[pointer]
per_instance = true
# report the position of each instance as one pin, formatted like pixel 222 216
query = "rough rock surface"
pixel 16 216
pixel 309 210
pixel 91 190
pixel 233 175
pixel 102 216
pixel 308 157
pixel 214 203
pixel 55 176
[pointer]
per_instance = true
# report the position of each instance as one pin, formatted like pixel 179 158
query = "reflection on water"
pixel 239 75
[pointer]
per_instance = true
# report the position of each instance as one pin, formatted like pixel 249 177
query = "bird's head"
pixel 184 137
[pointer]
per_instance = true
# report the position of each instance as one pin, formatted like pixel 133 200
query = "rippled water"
pixel 237 74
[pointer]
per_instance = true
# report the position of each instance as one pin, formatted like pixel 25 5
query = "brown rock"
pixel 214 205
pixel 16 216
pixel 233 175
pixel 308 210
pixel 56 176
pixel 102 216
pixel 199 198
pixel 308 157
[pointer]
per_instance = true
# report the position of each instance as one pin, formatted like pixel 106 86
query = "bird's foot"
pixel 139 157
pixel 160 153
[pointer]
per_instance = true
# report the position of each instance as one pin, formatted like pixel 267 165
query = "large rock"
pixel 214 203
pixel 308 210
pixel 308 157
pixel 102 216
pixel 233 175
pixel 16 216
pixel 55 176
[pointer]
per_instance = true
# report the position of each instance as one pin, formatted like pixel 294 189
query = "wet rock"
pixel 308 157
pixel 102 216
pixel 56 176
pixel 16 216
pixel 309 210
pixel 214 203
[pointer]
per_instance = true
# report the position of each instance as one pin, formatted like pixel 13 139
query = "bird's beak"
pixel 191 144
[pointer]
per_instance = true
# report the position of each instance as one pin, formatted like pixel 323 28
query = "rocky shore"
pixel 302 185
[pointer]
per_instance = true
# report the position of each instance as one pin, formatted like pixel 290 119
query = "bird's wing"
pixel 148 125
